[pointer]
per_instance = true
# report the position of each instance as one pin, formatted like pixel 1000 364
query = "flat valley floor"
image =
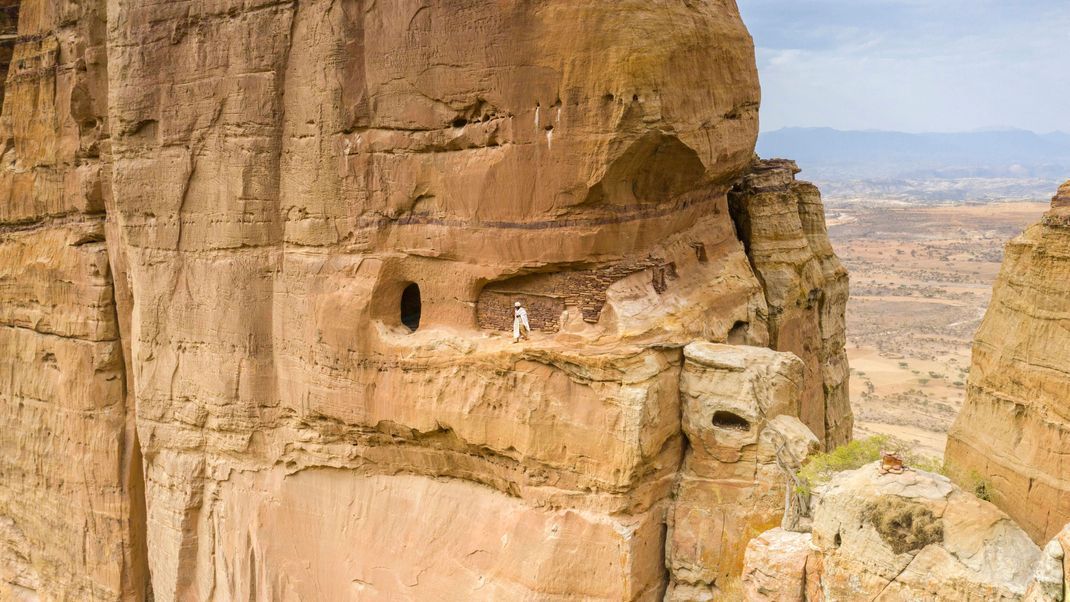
pixel 921 278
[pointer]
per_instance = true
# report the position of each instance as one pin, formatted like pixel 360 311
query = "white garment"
pixel 520 317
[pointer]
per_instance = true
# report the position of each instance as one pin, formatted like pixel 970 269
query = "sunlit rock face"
pixel 781 221
pixel 264 258
pixel 908 536
pixel 1014 429
pixel 71 496
pixel 739 416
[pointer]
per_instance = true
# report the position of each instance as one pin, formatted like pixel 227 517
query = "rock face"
pixel 782 566
pixel 1014 428
pixel 739 415
pixel 254 258
pixel 71 497
pixel 910 536
pixel 782 223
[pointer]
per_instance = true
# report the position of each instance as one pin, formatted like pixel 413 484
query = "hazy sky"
pixel 913 65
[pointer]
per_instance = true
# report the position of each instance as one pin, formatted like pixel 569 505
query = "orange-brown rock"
pixel 1060 208
pixel 1014 429
pixel 71 501
pixel 782 223
pixel 739 416
pixel 782 566
pixel 259 253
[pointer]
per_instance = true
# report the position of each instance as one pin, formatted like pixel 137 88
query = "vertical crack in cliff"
pixel 741 219
pixel 135 579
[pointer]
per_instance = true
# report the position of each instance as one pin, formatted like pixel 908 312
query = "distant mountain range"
pixel 981 165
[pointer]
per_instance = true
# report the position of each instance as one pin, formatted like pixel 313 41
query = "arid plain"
pixel 921 279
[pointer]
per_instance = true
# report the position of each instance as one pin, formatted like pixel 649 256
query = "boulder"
pixel 913 536
pixel 916 536
pixel 781 566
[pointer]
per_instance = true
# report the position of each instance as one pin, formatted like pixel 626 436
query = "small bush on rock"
pixel 973 482
pixel 904 525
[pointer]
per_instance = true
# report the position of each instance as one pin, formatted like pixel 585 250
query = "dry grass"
pixel 904 525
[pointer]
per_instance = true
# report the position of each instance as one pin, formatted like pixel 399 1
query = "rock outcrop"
pixel 254 257
pixel 782 566
pixel 739 415
pixel 1014 429
pixel 781 222
pixel 909 536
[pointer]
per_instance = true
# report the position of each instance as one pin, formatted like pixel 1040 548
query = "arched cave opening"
pixel 738 334
pixel 411 306
pixel 728 420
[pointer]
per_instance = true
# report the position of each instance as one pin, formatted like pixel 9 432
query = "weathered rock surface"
pixel 1014 428
pixel 782 566
pixel 1049 577
pixel 782 223
pixel 739 415
pixel 209 212
pixel 71 501
pixel 910 536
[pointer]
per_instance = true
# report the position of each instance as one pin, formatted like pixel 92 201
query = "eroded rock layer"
pixel 1014 430
pixel 71 514
pixel 740 408
pixel 782 223
pixel 259 253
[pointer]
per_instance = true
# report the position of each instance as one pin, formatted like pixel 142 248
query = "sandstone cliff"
pixel 782 224
pixel 255 259
pixel 1014 429
pixel 71 495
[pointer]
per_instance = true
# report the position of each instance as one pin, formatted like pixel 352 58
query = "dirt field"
pixel 921 277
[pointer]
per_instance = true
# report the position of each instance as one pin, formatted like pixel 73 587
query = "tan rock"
pixel 739 407
pixel 211 213
pixel 916 536
pixel 782 223
pixel 781 566
pixel 460 146
pixel 1061 200
pixel 1014 428
pixel 71 501
pixel 1049 580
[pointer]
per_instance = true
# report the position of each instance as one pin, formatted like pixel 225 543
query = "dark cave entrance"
pixel 730 420
pixel 411 306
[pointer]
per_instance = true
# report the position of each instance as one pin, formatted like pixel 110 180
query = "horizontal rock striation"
pixel 740 408
pixel 71 497
pixel 219 383
pixel 1014 429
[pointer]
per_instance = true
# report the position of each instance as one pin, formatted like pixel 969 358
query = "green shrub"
pixel 820 468
pixel 974 482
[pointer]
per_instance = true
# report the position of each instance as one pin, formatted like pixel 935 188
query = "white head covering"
pixel 517 304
